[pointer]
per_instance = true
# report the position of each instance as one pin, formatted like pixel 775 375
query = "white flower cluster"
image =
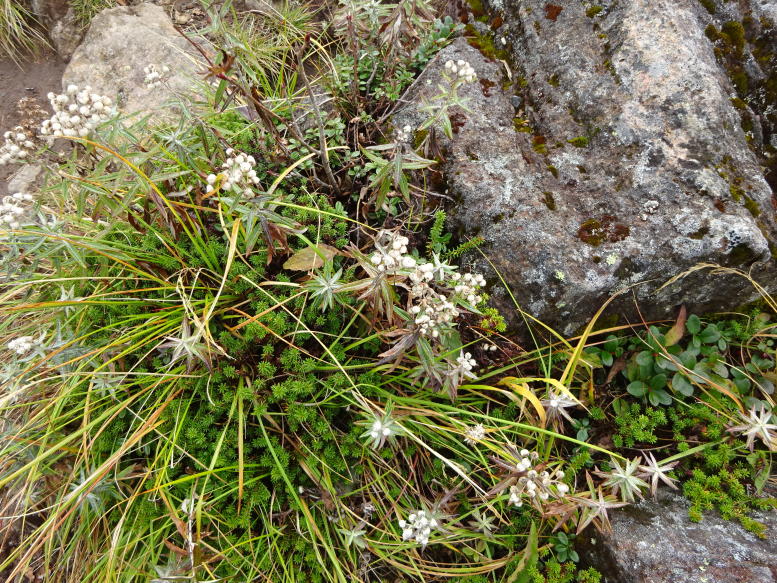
pixel 537 486
pixel 474 434
pixel 11 209
pixel 382 429
pixel 76 112
pixel 418 526
pixel 391 252
pixel 459 370
pixel 18 145
pixel 466 362
pixel 420 277
pixel 462 69
pixel 432 308
pixel 154 75
pixel 432 311
pixel 467 286
pixel 21 345
pixel 404 135
pixel 237 173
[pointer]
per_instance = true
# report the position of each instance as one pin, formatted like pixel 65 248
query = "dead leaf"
pixel 675 334
pixel 310 258
pixel 618 365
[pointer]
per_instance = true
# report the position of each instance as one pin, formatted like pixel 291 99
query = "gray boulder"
pixel 59 18
pixel 654 542
pixel 602 153
pixel 66 34
pixel 120 44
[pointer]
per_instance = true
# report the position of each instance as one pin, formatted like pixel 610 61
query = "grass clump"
pixel 85 10
pixel 20 35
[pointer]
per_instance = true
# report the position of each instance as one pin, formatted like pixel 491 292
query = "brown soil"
pixel 33 78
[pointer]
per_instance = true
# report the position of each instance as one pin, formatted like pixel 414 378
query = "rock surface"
pixel 66 34
pixel 120 44
pixel 59 18
pixel 654 542
pixel 609 157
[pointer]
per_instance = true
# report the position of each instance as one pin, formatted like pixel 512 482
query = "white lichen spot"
pixel 648 208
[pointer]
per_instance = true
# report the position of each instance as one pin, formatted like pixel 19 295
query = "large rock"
pixel 66 34
pixel 612 156
pixel 654 542
pixel 120 44
pixel 59 19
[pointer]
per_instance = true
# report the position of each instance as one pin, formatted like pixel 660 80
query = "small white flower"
pixel 419 526
pixel 237 173
pixel 154 75
pixel 475 434
pixel 556 405
pixel 382 429
pixel 21 345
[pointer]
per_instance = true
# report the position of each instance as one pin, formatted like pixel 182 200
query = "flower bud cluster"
pixel 237 174
pixel 432 311
pixel 475 434
pixel 21 345
pixel 76 112
pixel 154 75
pixel 12 209
pixel 403 135
pixel 391 253
pixel 420 277
pixel 18 146
pixel 466 362
pixel 418 526
pixel 462 69
pixel 435 289
pixel 467 285
pixel 383 429
pixel 534 485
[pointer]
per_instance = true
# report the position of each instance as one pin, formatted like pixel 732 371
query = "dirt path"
pixel 34 78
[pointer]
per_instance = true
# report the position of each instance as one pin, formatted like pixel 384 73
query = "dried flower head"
pixel 654 471
pixel 474 434
pixel 21 345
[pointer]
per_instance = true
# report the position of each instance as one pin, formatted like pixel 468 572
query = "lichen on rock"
pixel 654 128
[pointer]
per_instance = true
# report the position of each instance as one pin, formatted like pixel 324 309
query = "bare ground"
pixel 33 78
